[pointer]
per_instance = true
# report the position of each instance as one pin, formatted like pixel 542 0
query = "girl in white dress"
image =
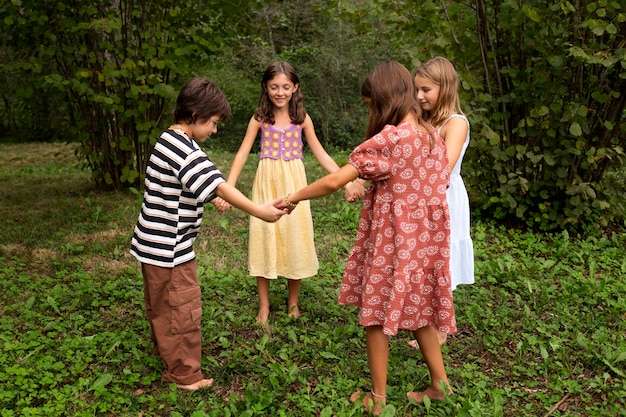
pixel 437 87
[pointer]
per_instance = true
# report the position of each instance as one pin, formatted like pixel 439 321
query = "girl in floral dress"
pixel 398 271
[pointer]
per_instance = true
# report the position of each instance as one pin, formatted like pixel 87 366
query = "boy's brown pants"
pixel 173 307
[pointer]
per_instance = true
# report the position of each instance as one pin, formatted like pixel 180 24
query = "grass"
pixel 541 333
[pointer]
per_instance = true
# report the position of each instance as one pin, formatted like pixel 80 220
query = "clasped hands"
pixel 355 190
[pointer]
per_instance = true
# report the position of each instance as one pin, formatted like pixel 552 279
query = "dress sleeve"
pixel 372 158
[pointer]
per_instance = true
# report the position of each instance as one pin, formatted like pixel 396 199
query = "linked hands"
pixel 221 205
pixel 285 205
pixel 272 211
pixel 355 190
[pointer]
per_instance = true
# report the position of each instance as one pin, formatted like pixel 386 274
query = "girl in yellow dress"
pixel 286 248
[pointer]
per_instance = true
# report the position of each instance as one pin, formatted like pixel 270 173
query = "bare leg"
pixel 263 285
pixel 429 344
pixel 294 291
pixel 377 357
pixel 443 338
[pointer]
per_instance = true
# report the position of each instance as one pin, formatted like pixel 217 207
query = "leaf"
pixel 598 30
pixel 610 28
pixel 101 382
pixel 575 129
pixel 389 411
pixel 532 14
pixel 292 336
pixel 29 303
pixel 113 347
pixel 53 304
pixel 328 355
pixel 326 412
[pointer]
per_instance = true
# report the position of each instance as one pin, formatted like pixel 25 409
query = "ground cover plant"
pixel 541 333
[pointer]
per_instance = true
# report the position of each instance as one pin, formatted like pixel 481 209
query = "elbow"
pixel 219 191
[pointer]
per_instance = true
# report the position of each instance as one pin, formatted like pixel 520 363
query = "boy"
pixel 180 179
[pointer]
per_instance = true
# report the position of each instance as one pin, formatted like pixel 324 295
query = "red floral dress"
pixel 398 271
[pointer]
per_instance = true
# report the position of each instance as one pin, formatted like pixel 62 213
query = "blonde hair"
pixel 441 72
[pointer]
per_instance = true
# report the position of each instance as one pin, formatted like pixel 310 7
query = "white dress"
pixel 461 246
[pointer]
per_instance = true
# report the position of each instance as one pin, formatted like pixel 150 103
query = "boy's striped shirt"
pixel 180 178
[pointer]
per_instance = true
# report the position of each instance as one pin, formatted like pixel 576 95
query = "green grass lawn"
pixel 541 333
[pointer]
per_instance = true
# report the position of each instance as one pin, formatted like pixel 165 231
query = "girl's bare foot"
pixel 293 312
pixel 371 402
pixel 203 383
pixel 432 393
pixel 443 338
pixel 264 313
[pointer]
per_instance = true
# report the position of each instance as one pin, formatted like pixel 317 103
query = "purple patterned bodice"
pixel 279 143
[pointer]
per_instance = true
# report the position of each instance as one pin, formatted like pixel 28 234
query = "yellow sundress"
pixel 285 248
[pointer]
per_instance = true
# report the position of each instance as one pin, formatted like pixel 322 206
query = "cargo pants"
pixel 173 307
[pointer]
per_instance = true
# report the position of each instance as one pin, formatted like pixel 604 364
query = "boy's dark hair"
pixel 200 99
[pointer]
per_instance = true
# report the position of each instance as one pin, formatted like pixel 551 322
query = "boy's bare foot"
pixel 293 312
pixel 443 338
pixel 432 393
pixel 203 383
pixel 263 315
pixel 370 402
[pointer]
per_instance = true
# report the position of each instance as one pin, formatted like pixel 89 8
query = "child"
pixel 286 248
pixel 398 269
pixel 437 87
pixel 180 178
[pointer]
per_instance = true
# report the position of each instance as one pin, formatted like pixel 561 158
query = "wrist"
pixel 290 204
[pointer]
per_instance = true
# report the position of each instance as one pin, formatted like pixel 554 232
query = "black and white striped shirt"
pixel 180 178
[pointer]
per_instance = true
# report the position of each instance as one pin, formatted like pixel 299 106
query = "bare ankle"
pixel 263 315
pixel 293 311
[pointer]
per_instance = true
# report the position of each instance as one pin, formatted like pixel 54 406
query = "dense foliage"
pixel 553 97
pixel 109 68
pixel 542 83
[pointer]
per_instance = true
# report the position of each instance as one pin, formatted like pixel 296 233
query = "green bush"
pixel 548 119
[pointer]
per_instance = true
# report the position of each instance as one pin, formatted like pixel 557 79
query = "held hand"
pixel 285 205
pixel 271 211
pixel 355 191
pixel 221 204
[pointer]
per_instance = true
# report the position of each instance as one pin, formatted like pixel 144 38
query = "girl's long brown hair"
pixel 265 111
pixel 391 95
pixel 441 72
